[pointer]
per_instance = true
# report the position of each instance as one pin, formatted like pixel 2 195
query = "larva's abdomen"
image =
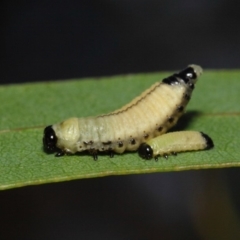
pixel 150 117
pixel 174 142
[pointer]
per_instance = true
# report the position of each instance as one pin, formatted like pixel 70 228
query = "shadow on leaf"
pixel 185 120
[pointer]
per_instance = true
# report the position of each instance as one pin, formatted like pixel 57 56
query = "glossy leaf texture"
pixel 26 109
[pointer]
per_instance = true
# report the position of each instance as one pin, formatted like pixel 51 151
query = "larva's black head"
pixel 188 75
pixel 49 140
pixel 145 151
pixel 191 73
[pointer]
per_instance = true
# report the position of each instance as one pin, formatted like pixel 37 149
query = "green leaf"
pixel 27 108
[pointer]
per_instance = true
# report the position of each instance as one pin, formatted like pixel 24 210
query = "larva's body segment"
pixel 174 142
pixel 147 116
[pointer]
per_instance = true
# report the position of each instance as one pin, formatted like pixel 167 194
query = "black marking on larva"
pixel 209 141
pixel 107 143
pixel 191 85
pixel 187 97
pixel 170 120
pixel 174 153
pixel 165 156
pixel 120 144
pixel 180 108
pixel 160 129
pixel 187 74
pixel 88 143
pixel 172 80
pixel 146 136
pixel 132 141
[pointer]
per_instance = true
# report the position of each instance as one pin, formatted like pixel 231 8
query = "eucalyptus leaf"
pixel 27 108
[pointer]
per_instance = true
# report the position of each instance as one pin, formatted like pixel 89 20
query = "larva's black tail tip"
pixel 209 141
pixel 145 151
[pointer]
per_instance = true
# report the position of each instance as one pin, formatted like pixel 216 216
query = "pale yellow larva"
pixel 149 115
pixel 174 142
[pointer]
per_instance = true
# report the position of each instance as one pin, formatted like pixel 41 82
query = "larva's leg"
pixel 94 154
pixel 164 155
pixel 60 153
pixel 111 153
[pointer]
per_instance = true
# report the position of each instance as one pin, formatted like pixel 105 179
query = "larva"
pixel 174 142
pixel 149 115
